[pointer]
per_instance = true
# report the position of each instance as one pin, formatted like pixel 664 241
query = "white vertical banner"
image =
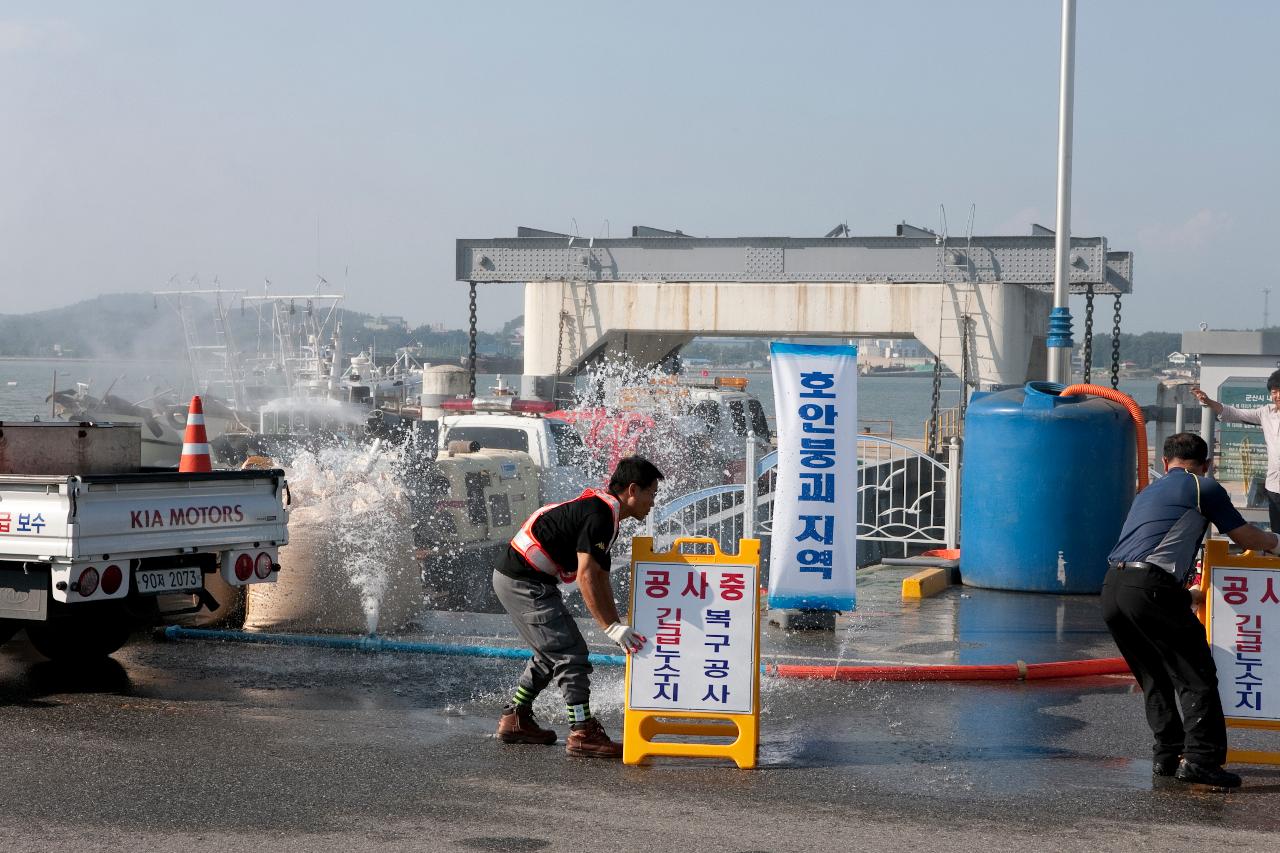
pixel 813 557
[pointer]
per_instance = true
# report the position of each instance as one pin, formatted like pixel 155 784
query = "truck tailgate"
pixel 78 517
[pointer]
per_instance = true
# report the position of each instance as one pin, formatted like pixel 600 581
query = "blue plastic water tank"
pixel 1046 486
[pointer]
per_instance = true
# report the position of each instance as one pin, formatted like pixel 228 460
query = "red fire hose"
pixel 1019 671
pixel 1135 412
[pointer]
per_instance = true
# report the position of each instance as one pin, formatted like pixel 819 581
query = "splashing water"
pixel 355 505
pixel 623 408
pixel 357 495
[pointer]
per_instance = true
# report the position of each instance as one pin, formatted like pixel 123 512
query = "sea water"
pixel 902 400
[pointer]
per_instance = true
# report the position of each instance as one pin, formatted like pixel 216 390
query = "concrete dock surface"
pixel 225 746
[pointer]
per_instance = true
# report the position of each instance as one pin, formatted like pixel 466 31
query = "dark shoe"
pixel 1215 777
pixel 519 726
pixel 590 741
pixel 1165 766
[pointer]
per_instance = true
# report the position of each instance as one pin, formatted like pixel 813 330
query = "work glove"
pixel 626 637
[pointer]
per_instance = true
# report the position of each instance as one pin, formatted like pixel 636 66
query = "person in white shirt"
pixel 1268 418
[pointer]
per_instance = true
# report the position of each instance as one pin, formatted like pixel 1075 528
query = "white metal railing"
pixel 904 496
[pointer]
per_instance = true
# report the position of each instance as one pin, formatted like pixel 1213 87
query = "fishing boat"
pixel 162 418
pixel 294 381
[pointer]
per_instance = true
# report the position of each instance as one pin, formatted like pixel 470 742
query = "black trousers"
pixel 1149 616
pixel 560 651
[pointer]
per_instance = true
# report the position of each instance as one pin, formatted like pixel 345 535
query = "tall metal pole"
pixel 1206 432
pixel 951 495
pixel 1059 342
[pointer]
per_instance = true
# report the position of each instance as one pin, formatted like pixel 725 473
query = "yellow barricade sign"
pixel 698 676
pixel 1242 621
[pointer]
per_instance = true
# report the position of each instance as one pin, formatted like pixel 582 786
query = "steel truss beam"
pixel 1027 261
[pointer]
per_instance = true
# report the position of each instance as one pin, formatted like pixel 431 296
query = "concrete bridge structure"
pixel 980 303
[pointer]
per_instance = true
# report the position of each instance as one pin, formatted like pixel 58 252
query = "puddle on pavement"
pixel 1000 739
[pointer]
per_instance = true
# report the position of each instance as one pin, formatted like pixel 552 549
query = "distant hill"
pixel 1147 350
pixel 123 325
pixel 140 326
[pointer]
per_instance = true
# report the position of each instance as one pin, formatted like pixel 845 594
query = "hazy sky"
pixel 283 139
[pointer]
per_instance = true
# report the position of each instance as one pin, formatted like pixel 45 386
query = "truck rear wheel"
pixel 462 582
pixel 68 641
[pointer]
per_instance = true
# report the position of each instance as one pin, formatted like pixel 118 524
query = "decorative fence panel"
pixel 905 497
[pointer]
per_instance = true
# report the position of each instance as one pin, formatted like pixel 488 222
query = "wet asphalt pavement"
pixel 213 746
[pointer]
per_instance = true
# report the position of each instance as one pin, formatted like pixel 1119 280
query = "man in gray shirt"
pixel 1147 608
pixel 1266 417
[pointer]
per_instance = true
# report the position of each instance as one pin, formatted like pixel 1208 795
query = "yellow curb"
pixel 924 583
pixel 1252 756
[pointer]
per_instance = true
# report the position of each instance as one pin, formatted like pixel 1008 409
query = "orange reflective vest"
pixel 527 545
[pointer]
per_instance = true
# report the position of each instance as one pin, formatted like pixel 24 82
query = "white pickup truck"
pixel 555 446
pixel 83 556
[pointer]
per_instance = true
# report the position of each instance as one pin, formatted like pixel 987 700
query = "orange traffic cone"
pixel 195 443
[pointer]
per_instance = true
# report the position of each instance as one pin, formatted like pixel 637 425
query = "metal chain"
pixel 964 366
pixel 1087 372
pixel 555 391
pixel 1115 345
pixel 471 345
pixel 932 448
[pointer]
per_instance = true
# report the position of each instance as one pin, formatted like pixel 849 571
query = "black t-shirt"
pixel 579 527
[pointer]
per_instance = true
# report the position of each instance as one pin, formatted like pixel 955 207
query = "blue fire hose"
pixel 366 644
pixel 1020 671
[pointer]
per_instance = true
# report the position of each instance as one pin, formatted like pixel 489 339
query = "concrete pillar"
pixel 541 328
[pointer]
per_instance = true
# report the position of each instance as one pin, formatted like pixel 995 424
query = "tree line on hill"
pixel 1149 350
pixel 139 326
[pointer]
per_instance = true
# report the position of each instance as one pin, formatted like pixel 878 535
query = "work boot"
pixel 589 740
pixel 519 726
pixel 1199 774
pixel 1166 766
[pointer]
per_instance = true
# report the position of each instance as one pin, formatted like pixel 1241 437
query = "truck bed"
pixel 69 517
pixel 144 475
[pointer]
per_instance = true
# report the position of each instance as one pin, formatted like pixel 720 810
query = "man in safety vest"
pixel 562 543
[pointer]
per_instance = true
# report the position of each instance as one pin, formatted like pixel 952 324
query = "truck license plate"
pixel 168 580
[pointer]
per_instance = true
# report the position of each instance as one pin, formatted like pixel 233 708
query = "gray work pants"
pixel 545 624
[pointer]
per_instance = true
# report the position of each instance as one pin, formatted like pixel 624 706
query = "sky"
pixel 145 143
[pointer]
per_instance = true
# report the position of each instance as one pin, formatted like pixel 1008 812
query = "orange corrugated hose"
pixel 1135 412
pixel 954 672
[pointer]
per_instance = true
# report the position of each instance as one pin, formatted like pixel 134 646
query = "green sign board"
pixel 1242 450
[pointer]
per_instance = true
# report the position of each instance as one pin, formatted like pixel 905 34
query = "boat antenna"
pixel 106 393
